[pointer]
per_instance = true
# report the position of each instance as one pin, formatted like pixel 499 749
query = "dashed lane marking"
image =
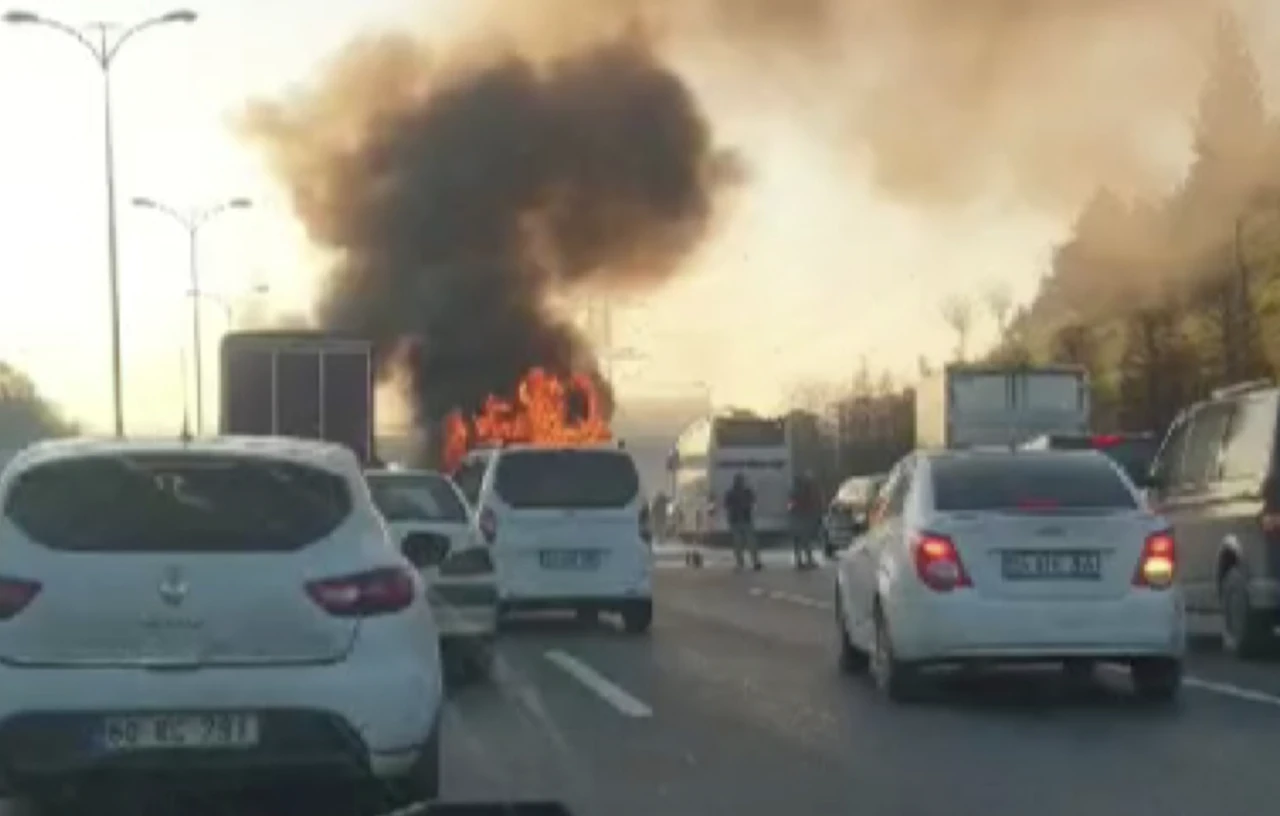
pixel 789 597
pixel 604 688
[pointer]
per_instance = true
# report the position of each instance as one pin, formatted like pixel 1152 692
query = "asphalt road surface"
pixel 733 704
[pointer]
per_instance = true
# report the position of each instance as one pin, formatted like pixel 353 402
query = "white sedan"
pixel 980 558
pixel 428 516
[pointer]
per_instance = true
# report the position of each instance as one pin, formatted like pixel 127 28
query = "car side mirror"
pixel 424 549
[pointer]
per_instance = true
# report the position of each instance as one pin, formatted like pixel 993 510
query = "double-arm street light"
pixel 104 41
pixel 192 221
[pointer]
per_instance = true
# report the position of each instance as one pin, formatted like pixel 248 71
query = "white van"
pixel 569 527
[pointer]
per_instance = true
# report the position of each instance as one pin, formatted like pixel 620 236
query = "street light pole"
pixel 104 51
pixel 192 221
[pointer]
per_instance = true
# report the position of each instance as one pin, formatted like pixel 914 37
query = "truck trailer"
pixel 308 384
pixel 965 406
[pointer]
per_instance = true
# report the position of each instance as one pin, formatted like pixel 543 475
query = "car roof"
pixel 330 456
pixel 1005 453
pixel 406 473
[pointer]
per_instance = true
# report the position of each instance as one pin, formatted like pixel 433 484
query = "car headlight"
pixel 471 561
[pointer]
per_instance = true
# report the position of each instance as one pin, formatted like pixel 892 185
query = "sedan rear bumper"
pixel 962 625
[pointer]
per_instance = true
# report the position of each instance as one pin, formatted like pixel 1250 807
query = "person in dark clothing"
pixel 805 510
pixel 739 506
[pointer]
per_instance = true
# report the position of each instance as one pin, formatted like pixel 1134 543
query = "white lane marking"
pixel 606 689
pixel 787 597
pixel 1213 686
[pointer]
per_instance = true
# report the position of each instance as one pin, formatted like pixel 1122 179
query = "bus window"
pixel 750 433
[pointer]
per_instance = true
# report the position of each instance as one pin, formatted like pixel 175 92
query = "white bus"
pixel 708 454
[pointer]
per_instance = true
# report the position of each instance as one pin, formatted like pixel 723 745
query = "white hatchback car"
pixel 569 527
pixel 219 610
pixel 1011 557
pixel 430 519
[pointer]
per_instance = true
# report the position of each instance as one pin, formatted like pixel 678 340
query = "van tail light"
pixel 15 595
pixel 366 594
pixel 646 527
pixel 938 563
pixel 489 525
pixel 1158 566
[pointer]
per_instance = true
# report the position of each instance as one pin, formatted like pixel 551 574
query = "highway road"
pixel 733 704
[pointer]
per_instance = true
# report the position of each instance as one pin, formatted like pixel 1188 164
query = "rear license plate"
pixel 1031 565
pixel 168 731
pixel 569 559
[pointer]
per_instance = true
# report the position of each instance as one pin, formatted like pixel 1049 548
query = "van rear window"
pixel 177 503
pixel 566 478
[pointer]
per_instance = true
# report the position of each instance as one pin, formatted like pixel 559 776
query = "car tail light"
pixel 1106 440
pixel 489 525
pixel 646 527
pixel 1037 504
pixel 1158 565
pixel 471 561
pixel 377 592
pixel 15 595
pixel 938 564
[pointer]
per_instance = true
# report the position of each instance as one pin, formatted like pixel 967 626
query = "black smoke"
pixel 460 200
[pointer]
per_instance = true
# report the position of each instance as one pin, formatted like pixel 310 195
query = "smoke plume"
pixel 461 197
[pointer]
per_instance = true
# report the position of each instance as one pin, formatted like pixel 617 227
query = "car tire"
pixel 1157 679
pixel 852 660
pixel 1246 634
pixel 896 680
pixel 637 617
pixel 422 782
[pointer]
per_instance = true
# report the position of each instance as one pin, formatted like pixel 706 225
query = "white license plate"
pixel 1024 565
pixel 156 731
pixel 569 559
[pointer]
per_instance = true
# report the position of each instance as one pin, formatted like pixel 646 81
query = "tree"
pixel 957 311
pixel 999 301
pixel 25 416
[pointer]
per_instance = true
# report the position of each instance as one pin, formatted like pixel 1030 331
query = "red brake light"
pixel 1106 440
pixel 377 592
pixel 15 595
pixel 1037 504
pixel 488 525
pixel 938 563
pixel 1158 566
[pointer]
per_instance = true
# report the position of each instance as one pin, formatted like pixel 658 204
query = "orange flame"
pixel 538 415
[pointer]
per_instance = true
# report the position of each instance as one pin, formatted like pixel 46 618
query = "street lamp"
pixel 104 49
pixel 192 221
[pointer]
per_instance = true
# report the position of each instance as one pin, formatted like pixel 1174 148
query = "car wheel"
pixel 422 782
pixel 1157 679
pixel 637 618
pixel 852 659
pixel 1245 633
pixel 896 680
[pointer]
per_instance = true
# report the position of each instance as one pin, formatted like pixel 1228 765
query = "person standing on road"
pixel 739 506
pixel 804 508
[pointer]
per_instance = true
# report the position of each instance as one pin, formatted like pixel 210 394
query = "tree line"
pixel 1161 299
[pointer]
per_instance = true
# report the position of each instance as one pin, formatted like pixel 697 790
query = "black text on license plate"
pixel 569 559
pixel 166 731
pixel 1024 565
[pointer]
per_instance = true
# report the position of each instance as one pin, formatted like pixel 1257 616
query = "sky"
pixel 807 276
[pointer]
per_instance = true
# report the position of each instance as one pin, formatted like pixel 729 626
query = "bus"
pixel 708 454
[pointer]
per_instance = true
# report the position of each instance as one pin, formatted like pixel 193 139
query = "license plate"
pixel 157 731
pixel 569 559
pixel 1023 565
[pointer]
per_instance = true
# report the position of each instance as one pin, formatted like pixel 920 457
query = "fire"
pixel 540 413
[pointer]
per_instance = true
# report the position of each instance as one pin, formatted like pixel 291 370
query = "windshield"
pixel 750 433
pixel 567 479
pixel 415 498
pixel 176 503
pixel 1028 482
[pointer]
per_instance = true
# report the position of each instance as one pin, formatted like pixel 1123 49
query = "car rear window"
pixel 1028 482
pixel 416 498
pixel 177 503
pixel 566 478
